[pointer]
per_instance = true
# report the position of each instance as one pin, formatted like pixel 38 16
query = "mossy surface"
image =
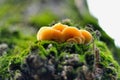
pixel 22 57
pixel 52 59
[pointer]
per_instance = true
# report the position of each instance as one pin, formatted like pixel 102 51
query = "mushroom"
pixel 47 33
pixel 62 33
pixel 70 32
pixel 59 27
pixel 80 40
pixel 87 35
pixel 72 40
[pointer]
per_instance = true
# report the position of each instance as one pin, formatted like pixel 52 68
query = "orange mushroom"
pixel 59 27
pixel 70 32
pixel 62 33
pixel 80 40
pixel 72 40
pixel 87 36
pixel 47 33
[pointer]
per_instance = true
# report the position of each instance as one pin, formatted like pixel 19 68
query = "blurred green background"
pixel 21 19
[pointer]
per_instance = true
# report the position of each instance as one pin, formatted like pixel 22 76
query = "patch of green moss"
pixel 60 52
pixel 42 19
pixel 105 53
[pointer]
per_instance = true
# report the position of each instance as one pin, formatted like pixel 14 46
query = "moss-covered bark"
pixel 49 60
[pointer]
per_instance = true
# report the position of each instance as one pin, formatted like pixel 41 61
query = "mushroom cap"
pixel 59 27
pixel 47 33
pixel 87 35
pixel 70 32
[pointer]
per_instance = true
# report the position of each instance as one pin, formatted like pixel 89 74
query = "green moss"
pixel 60 52
pixel 105 53
pixel 4 65
pixel 89 58
pixel 42 19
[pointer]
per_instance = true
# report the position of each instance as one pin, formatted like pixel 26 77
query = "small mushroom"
pixel 47 33
pixel 59 27
pixel 70 32
pixel 87 35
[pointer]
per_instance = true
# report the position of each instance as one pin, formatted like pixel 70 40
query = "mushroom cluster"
pixel 62 33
